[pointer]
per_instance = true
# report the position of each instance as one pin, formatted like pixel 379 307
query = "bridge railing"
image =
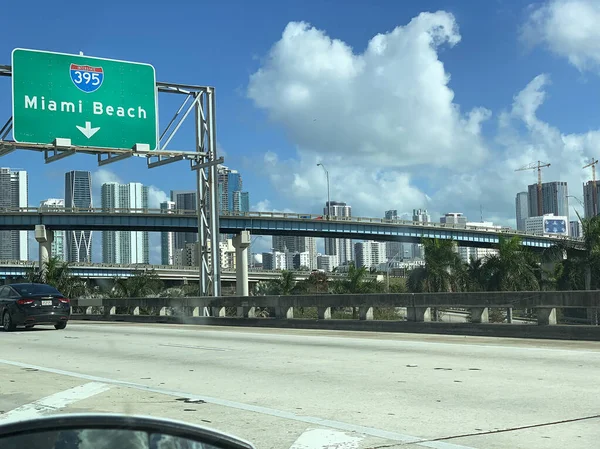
pixel 418 306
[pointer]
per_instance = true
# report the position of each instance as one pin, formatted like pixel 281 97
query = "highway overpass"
pixel 16 268
pixel 265 223
pixel 313 389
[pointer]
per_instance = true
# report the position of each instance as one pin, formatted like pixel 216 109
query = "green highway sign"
pixel 94 102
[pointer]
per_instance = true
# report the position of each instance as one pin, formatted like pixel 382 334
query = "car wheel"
pixel 7 323
pixel 60 325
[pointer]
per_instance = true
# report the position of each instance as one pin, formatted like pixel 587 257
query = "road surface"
pixel 308 389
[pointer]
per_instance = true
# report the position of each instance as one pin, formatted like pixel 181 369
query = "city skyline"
pixel 167 241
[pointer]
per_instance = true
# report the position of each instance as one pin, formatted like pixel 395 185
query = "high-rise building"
pixel 392 249
pixel 58 246
pixel 342 248
pixel 456 218
pixel 13 194
pixel 522 209
pixel 575 229
pixel 326 263
pixel 588 199
pixel 297 244
pixel 185 202
pixel 167 239
pixel 415 250
pixel 369 253
pixel 554 199
pixel 230 191
pixel 125 247
pixel 241 201
pixel 78 194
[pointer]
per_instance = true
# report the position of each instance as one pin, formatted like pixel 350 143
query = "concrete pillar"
pixel 418 314
pixel 546 316
pixel 284 312
pixel 479 315
pixel 44 237
pixel 365 313
pixel 241 242
pixel 246 312
pixel 509 315
pixel 219 311
pixel 324 313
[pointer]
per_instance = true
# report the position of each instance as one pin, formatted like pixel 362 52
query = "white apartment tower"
pixel 58 247
pixel 13 194
pixel 342 248
pixel 369 254
pixel 125 247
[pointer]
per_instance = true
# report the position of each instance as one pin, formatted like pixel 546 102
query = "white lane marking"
pixel 372 431
pixel 327 439
pixel 54 402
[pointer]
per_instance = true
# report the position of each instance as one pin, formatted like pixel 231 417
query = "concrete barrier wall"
pixel 419 307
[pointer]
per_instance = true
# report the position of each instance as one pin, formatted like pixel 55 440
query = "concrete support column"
pixel 324 313
pixel 418 314
pixel 479 315
pixel 284 312
pixel 246 312
pixel 219 311
pixel 365 313
pixel 241 242
pixel 546 316
pixel 509 315
pixel 44 237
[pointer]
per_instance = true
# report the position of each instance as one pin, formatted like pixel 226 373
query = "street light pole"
pixel 328 197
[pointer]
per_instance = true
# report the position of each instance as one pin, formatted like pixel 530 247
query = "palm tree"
pixel 57 273
pixel 580 264
pixel 442 271
pixel 512 269
pixel 139 285
pixel 475 275
pixel 581 268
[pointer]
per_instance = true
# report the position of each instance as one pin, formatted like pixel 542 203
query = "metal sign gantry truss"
pixel 197 99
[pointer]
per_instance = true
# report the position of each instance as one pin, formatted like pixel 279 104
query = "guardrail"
pixel 285 215
pixel 419 305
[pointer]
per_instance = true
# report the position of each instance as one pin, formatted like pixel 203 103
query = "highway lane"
pixel 300 388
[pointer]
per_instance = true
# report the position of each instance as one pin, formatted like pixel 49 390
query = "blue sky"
pixel 436 112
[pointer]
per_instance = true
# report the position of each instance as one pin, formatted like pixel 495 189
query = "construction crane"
pixel 537 166
pixel 592 164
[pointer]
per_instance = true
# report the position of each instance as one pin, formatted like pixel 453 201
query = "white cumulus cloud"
pixel 569 28
pixel 389 105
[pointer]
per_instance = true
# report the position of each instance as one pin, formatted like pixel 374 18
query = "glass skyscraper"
pixel 78 194
pixel 554 199
pixel 522 209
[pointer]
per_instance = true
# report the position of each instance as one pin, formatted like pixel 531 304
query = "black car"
pixel 31 304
